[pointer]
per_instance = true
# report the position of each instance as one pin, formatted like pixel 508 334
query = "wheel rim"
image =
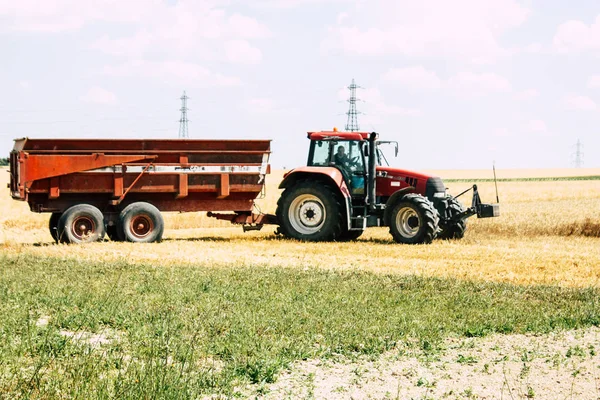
pixel 408 222
pixel 307 214
pixel 141 226
pixel 83 227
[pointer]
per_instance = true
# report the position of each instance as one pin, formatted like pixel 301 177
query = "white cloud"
pixel 465 82
pixel 281 4
pixel 172 72
pixel 173 30
pixel 341 17
pixel 246 27
pixel 416 76
pixel 536 125
pixel 594 81
pixel 464 29
pixel 241 52
pixel 502 132
pixel 527 94
pixel 376 107
pixel 470 82
pixel 576 36
pixel 260 105
pixel 182 29
pixel 534 48
pixel 25 84
pixel 576 102
pixel 99 95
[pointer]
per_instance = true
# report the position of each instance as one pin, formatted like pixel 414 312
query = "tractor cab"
pixel 345 151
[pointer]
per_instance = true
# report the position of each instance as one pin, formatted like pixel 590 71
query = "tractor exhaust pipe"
pixel 372 171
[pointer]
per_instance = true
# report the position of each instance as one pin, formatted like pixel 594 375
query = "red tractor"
pixel 347 186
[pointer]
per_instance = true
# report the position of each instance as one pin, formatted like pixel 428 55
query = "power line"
pixel 183 120
pixel 578 155
pixel 352 122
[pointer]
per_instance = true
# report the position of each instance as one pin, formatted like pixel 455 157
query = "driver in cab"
pixel 341 158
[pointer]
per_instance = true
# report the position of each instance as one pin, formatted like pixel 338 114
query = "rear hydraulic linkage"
pixel 478 208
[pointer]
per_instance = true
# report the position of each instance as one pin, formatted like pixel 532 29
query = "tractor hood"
pixel 394 173
pixel 390 180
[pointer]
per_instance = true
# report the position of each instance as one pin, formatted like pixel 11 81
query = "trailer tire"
pixel 81 223
pixel 53 225
pixel 310 211
pixel 454 230
pixel 413 220
pixel 140 222
pixel 112 231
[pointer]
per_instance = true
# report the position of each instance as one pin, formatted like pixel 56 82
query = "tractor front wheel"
pixel 310 211
pixel 456 229
pixel 413 220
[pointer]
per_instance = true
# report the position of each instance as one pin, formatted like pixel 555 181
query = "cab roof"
pixel 324 135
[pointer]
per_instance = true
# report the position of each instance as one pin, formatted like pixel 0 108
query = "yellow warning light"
pixel 334 129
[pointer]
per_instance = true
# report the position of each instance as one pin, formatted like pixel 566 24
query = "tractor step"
pixel 358 223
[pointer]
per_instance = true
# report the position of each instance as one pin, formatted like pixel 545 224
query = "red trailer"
pixel 118 187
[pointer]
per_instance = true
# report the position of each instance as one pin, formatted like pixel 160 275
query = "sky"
pixel 459 84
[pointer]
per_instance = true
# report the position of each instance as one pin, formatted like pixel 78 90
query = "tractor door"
pixel 345 155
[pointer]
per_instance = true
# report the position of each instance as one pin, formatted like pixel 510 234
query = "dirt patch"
pixel 559 365
pixel 93 339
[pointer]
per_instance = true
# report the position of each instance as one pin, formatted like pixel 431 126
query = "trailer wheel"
pixel 53 225
pixel 141 223
pixel 413 220
pixel 112 233
pixel 310 211
pixel 455 230
pixel 81 223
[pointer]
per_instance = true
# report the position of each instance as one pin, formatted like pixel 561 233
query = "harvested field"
pixel 212 309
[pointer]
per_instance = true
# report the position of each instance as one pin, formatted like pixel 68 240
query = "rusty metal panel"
pixel 54 188
pixel 175 175
pixel 47 166
pixel 223 186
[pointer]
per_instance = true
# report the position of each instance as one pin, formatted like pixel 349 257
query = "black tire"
pixel 112 231
pixel 347 236
pixel 81 223
pixel 454 230
pixel 140 222
pixel 413 220
pixel 310 211
pixel 53 225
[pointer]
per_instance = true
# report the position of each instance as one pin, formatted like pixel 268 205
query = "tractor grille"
pixel 433 186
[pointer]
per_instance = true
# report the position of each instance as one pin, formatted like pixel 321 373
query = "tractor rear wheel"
pixel 81 223
pixel 310 211
pixel 453 230
pixel 140 222
pixel 413 220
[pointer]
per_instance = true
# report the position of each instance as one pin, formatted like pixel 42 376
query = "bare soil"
pixel 562 365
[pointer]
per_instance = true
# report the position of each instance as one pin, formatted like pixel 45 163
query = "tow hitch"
pixel 482 210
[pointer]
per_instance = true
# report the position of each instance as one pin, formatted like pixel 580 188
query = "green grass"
pixel 540 179
pixel 185 331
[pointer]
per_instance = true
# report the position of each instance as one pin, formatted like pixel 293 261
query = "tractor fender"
pixel 328 175
pixel 394 198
